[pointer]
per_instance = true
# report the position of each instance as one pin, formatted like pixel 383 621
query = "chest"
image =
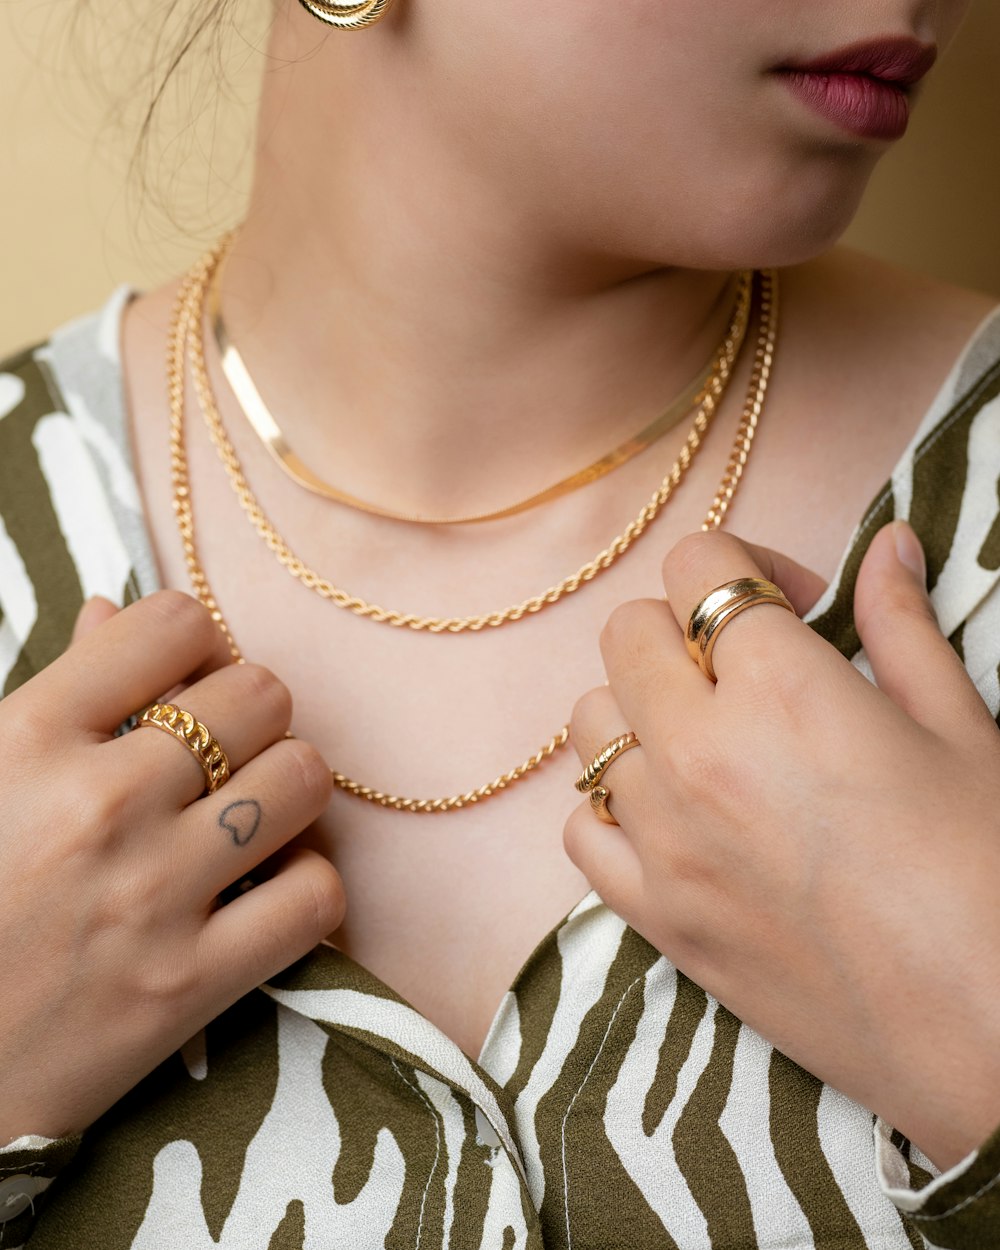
pixel 445 908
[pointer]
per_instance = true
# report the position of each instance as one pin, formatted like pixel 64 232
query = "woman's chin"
pixel 783 221
pixel 804 219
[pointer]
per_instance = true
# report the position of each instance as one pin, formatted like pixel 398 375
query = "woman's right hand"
pixel 114 948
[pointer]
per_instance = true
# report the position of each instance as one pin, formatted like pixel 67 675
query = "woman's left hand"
pixel 820 853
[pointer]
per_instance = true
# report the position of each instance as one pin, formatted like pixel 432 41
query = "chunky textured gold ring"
pixel 195 736
pixel 588 781
pixel 719 607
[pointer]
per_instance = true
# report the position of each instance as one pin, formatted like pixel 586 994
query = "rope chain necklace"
pixel 186 336
pixel 192 316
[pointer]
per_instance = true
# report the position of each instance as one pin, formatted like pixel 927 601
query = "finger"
pixel 760 641
pixel 93 614
pixel 657 686
pixel 129 660
pixel 267 803
pixel 606 857
pixel 912 662
pixel 243 706
pixel 596 722
pixel 802 586
pixel 261 932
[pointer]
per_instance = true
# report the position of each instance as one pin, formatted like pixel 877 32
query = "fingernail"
pixel 909 550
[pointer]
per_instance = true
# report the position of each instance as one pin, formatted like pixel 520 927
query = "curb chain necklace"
pixel 186 335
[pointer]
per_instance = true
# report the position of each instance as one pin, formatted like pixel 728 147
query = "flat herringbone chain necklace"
pixel 189 326
pixel 260 419
pixel 190 305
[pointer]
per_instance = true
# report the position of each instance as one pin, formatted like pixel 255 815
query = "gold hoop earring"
pixel 348 14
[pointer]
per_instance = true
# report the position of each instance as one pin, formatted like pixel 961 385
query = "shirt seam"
pixel 586 1078
pixel 437 1147
pixel 944 1215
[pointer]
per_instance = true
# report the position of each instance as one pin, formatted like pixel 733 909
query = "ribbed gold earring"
pixel 348 14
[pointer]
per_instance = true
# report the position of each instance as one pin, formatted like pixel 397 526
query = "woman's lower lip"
pixel 866 107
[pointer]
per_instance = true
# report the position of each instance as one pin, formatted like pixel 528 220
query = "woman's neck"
pixel 419 335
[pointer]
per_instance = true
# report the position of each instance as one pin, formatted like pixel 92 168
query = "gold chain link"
pixel 186 333
pixel 706 407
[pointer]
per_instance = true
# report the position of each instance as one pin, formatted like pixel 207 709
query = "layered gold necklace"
pixel 186 338
pixel 269 433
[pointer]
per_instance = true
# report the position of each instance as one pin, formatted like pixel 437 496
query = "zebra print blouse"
pixel 614 1105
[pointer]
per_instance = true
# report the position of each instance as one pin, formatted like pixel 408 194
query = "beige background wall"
pixel 71 229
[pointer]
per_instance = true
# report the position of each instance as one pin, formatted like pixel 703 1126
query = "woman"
pixel 484 245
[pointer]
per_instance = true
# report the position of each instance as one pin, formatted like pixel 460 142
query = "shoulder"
pixel 877 356
pixel 892 326
pixel 911 336
pixel 882 293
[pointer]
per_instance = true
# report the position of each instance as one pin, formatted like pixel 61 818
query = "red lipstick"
pixel 863 88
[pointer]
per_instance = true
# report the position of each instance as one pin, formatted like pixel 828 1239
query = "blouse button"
pixel 16 1195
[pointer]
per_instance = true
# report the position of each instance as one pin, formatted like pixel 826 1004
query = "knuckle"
pixel 778 684
pixel 690 874
pixel 688 944
pixel 895 606
pixel 769 671
pixel 24 727
pixel 262 686
pixel 313 772
pixel 127 919
pixel 171 982
pixel 324 902
pixel 573 834
pixel 176 610
pixel 621 627
pixel 271 948
pixel 124 899
pixel 687 556
pixel 97 815
pixel 634 631
pixel 701 765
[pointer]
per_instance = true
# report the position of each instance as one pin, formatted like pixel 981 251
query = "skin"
pixel 518 290
pixel 135 954
pixel 793 900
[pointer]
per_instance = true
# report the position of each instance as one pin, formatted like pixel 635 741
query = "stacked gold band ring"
pixel 719 607
pixel 589 780
pixel 195 736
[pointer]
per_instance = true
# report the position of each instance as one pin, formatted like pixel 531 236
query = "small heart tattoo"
pixel 242 820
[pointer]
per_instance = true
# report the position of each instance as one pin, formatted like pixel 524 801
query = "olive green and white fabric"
pixel 615 1105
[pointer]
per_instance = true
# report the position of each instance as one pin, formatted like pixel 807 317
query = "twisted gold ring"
pixel 589 780
pixel 719 607
pixel 195 736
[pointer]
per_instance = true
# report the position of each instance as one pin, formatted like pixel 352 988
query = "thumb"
pixel 913 662
pixel 94 612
